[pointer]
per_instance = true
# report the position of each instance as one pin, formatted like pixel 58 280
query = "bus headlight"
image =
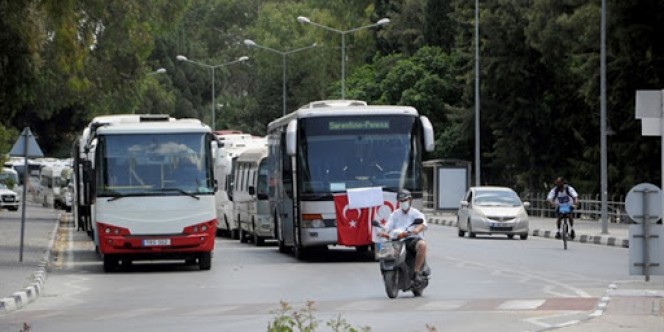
pixel 312 221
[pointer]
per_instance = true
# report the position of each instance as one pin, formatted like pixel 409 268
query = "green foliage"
pixel 63 62
pixel 287 319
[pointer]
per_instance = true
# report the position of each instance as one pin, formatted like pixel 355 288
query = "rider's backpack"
pixel 555 193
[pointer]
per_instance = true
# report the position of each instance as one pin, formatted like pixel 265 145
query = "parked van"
pixel 9 177
pixel 53 179
pixel 231 145
pixel 250 196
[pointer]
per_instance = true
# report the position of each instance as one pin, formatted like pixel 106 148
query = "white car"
pixel 8 198
pixel 493 210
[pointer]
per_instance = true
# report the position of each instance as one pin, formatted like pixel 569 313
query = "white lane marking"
pixel 441 305
pixel 520 304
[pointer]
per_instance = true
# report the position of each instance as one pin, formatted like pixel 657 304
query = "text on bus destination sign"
pixel 356 125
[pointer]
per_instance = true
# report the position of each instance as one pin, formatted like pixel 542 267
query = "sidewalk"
pixel 21 282
pixel 587 231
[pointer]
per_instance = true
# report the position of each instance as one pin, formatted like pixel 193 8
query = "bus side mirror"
pixel 216 156
pixel 252 190
pixel 291 138
pixel 429 140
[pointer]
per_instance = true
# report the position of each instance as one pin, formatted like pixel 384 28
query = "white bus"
pixel 53 181
pixel 231 144
pixel 250 196
pixel 151 188
pixel 326 148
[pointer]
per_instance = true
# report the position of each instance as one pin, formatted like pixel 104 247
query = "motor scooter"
pixel 397 264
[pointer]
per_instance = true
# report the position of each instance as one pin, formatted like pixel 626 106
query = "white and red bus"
pixel 325 150
pixel 152 189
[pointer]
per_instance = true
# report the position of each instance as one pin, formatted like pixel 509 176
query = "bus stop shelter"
pixel 445 183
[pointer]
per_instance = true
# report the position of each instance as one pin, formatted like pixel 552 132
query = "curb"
pixel 30 293
pixel 611 241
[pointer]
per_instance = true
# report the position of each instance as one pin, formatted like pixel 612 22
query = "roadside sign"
pixel 648 104
pixel 26 146
pixel 639 243
pixel 644 199
pixel 644 205
pixel 651 127
pixel 20 149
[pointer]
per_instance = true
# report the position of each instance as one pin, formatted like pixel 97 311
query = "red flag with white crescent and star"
pixel 353 228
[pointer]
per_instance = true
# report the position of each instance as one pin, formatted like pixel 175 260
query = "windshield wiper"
pixel 117 195
pixel 183 192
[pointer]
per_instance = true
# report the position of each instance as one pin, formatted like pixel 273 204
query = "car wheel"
pixel 510 236
pixel 461 232
pixel 524 236
pixel 471 234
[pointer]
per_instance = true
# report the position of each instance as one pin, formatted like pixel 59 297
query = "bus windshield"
pixel 153 164
pixel 339 153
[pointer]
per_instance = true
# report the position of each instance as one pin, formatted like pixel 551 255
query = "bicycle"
pixel 565 210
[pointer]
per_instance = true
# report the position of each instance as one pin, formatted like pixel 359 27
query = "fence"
pixel 589 207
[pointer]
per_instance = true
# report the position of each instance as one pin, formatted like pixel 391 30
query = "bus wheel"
pixel 362 249
pixel 258 241
pixel 243 235
pixel 205 261
pixel 110 263
pixel 282 245
pixel 300 253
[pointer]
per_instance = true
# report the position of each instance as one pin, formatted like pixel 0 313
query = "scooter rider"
pixel 403 217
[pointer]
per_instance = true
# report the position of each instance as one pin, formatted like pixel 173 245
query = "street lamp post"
pixel 343 33
pixel 158 71
pixel 212 67
pixel 477 93
pixel 284 54
pixel 603 133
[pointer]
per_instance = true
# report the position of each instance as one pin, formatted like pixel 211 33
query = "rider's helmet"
pixel 404 194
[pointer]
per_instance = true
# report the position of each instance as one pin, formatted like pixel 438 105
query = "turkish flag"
pixel 353 228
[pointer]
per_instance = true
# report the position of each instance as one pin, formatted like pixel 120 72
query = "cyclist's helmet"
pixel 403 195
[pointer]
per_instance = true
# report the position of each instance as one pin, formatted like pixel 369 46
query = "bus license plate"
pixel 156 242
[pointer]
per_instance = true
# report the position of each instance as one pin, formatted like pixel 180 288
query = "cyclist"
pixel 562 193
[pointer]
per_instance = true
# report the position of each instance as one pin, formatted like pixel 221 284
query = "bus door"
pixel 288 209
